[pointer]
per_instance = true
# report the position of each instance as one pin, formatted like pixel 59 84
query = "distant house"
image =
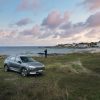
pixel 74 45
pixel 64 45
pixel 68 45
pixel 60 45
pixel 82 45
pixel 98 44
pixel 93 44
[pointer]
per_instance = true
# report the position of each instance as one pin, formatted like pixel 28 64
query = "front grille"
pixel 39 68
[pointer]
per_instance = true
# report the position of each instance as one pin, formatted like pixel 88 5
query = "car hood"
pixel 36 64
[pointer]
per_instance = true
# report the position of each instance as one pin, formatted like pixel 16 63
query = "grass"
pixel 69 77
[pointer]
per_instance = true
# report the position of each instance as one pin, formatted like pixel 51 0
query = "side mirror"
pixel 19 62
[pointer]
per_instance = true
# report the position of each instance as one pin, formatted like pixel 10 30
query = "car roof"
pixel 20 56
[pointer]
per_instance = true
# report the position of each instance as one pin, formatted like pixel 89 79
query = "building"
pixel 68 45
pixel 82 45
pixel 98 44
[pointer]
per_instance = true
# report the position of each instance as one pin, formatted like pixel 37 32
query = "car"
pixel 26 65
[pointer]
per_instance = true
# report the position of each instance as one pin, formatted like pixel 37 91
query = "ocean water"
pixel 33 50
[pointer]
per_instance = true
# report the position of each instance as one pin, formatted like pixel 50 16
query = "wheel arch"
pixel 5 64
pixel 22 68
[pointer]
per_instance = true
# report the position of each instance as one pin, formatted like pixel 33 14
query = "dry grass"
pixel 69 77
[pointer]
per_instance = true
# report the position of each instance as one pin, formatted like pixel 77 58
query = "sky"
pixel 48 22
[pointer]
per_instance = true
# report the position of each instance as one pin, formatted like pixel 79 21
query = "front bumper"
pixel 36 70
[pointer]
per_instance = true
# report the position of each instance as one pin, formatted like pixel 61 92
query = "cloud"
pixel 55 19
pixel 70 29
pixel 92 4
pixel 63 28
pixel 94 20
pixel 23 22
pixel 91 25
pixel 35 31
pixel 93 33
pixel 7 33
pixel 60 28
pixel 28 5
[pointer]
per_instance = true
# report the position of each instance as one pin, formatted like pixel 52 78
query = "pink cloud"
pixel 28 5
pixel 92 4
pixel 60 26
pixel 54 19
pixel 92 23
pixel 7 33
pixel 93 33
pixel 35 31
pixel 57 26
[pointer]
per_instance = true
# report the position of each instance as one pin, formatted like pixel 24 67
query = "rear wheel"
pixel 6 69
pixel 24 72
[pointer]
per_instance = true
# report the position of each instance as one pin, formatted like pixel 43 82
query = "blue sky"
pixel 9 10
pixel 48 22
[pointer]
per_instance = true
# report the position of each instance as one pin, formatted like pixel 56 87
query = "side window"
pixel 12 58
pixel 17 59
pixel 8 58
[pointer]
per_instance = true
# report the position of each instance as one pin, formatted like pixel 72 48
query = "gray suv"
pixel 23 64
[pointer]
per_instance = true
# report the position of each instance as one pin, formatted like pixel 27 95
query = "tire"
pixel 24 72
pixel 6 69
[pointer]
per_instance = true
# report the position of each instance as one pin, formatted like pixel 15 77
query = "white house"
pixel 98 44
pixel 68 45
pixel 82 45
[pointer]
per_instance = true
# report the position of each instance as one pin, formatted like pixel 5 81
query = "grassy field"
pixel 69 77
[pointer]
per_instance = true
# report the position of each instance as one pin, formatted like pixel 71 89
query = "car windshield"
pixel 26 59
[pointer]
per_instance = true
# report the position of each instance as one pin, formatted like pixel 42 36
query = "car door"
pixel 12 63
pixel 18 63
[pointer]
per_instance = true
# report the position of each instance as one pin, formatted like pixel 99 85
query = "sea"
pixel 35 50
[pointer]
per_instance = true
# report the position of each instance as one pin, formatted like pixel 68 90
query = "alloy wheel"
pixel 24 72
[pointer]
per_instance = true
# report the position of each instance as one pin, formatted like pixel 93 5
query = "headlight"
pixel 43 66
pixel 32 67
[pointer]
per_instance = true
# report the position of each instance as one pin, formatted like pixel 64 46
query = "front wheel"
pixel 6 69
pixel 24 72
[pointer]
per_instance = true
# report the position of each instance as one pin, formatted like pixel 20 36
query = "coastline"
pixel 51 51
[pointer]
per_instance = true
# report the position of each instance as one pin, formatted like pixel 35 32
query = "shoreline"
pixel 55 54
pixel 51 52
